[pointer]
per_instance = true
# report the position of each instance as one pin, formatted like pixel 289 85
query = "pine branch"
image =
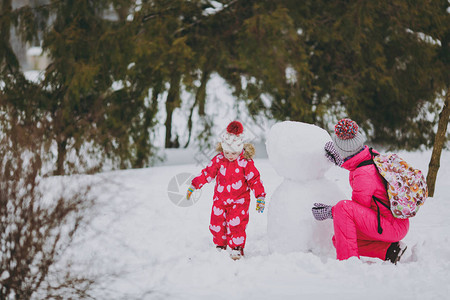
pixel 24 8
pixel 199 21
pixel 190 25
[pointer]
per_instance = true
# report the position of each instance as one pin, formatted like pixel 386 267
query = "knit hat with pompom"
pixel 347 138
pixel 233 138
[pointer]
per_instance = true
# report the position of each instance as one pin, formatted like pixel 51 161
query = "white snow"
pixel 162 251
pixel 34 51
pixel 34 75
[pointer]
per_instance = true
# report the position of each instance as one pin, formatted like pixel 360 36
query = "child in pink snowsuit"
pixel 362 227
pixel 236 175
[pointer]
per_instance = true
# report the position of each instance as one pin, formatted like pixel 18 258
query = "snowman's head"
pixel 296 150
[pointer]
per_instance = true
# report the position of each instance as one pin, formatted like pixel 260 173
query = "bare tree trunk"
pixel 200 99
pixel 201 92
pixel 439 141
pixel 7 57
pixel 61 158
pixel 123 11
pixel 190 123
pixel 172 102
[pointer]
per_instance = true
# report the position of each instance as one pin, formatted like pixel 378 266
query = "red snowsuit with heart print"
pixel 230 210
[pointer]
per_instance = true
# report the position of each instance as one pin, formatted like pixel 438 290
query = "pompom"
pixel 346 129
pixel 235 127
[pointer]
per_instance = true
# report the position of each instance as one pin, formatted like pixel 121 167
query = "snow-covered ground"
pixel 158 250
pixel 143 246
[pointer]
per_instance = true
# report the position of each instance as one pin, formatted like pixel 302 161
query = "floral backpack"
pixel 406 186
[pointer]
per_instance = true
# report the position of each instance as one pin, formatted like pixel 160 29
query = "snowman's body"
pixel 296 152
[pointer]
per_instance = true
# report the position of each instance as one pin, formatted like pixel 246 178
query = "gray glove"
pixel 332 154
pixel 322 211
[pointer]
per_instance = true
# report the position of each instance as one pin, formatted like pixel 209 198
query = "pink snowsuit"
pixel 355 221
pixel 230 210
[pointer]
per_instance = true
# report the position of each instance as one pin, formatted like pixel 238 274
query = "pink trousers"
pixel 355 231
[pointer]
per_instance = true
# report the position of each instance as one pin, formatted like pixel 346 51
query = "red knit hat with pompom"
pixel 235 127
pixel 233 138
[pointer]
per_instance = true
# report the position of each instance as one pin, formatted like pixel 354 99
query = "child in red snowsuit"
pixel 235 174
pixel 361 226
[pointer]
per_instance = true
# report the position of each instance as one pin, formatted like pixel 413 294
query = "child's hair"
pixel 249 150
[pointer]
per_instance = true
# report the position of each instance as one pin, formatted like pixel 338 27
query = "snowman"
pixel 296 152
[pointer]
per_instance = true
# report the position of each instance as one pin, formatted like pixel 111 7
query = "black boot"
pixel 395 252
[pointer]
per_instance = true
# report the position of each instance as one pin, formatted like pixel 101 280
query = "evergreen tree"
pixel 383 63
pixel 76 101
pixel 370 58
pixel 166 53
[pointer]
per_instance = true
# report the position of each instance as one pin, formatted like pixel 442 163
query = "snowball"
pixel 295 150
